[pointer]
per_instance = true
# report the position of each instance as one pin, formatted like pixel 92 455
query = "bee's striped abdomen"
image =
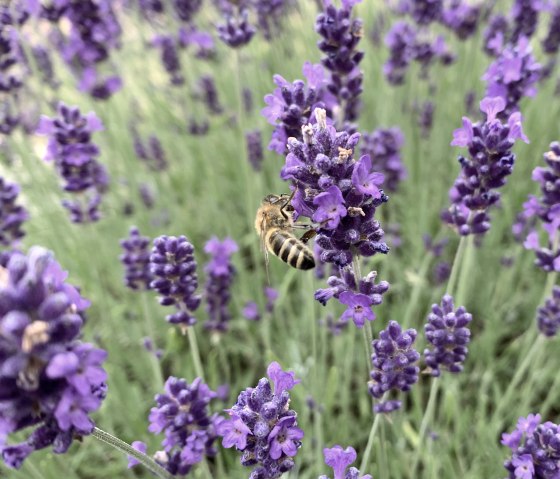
pixel 290 250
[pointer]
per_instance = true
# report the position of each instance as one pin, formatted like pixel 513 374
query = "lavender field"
pixel 279 238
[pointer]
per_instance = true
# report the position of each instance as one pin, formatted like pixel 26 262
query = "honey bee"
pixel 274 224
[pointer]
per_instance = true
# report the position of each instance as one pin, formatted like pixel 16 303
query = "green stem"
pixel 416 290
pixel 452 283
pixel 127 449
pixel 468 259
pixel 194 352
pixel 428 416
pixel 369 445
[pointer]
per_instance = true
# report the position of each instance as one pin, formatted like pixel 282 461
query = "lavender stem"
pixel 452 283
pixel 150 329
pixel 369 445
pixel 194 352
pixel 428 415
pixel 127 449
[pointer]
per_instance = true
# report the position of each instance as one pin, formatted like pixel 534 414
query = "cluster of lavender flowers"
pixel 263 427
pixel 339 459
pixel 341 195
pixel 219 277
pixel 255 154
pixel 490 161
pixel 11 70
pixel 94 31
pixel 546 210
pixel 340 37
pixel 153 155
pixel 513 75
pixel 12 214
pixel 50 380
pixel 535 449
pixel 548 315
pixel 290 106
pixel 448 334
pixel 190 431
pixel 170 58
pixel 236 31
pixel 173 268
pixel 74 156
pixel 136 260
pixel 394 365
pixel 384 148
pixel 414 42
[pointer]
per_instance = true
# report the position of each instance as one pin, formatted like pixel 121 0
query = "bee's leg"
pixel 308 235
pixel 287 202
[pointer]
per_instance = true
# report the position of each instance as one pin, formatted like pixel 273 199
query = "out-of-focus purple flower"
pixel 152 154
pixel 551 43
pixel 434 247
pixel 441 272
pixel 340 37
pixel 251 311
pixel 52 381
pixel 217 291
pixel 271 295
pixel 535 449
pixel 544 210
pixel 12 214
pixel 136 260
pixel 448 334
pixel 182 414
pixel 74 156
pixel 170 57
pixel 269 16
pixel 263 427
pixel 198 127
pixel 254 149
pixel 496 34
pixel 426 118
pixel 548 315
pixel 186 9
pixel 384 148
pixel 525 15
pixel 146 195
pixel 461 18
pixel 236 31
pixel 140 447
pixel 201 42
pixel 490 162
pixel 513 75
pixel 424 12
pixel 400 40
pixel 173 268
pixel 44 64
pixel 339 459
pixel 394 361
pixel 209 94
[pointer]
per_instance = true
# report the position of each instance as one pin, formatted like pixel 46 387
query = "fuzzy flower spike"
pixel 50 381
pixel 263 427
pixel 490 161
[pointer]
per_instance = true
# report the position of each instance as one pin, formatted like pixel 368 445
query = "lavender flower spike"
pixel 173 267
pixel 136 260
pixel 448 334
pixel 339 459
pixel 394 362
pixel 535 449
pixel 182 415
pixel 12 215
pixel 220 273
pixel 51 380
pixel 263 427
pixel 548 316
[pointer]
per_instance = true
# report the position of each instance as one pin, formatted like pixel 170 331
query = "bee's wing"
pixel 264 250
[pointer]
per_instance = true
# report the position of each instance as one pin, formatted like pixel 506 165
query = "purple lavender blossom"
pixel 12 214
pixel 173 267
pixel 251 311
pixel 236 31
pixel 219 277
pixel 551 43
pixel 136 260
pixel 340 37
pixel 535 449
pixel 448 334
pixel 209 94
pixel 146 195
pixel 170 58
pixel 186 9
pixel 513 75
pixel 424 12
pixel 441 272
pixel 384 147
pixel 548 315
pixel 545 211
pixel 74 156
pixel 339 459
pixel 51 380
pixel 254 149
pixel 263 427
pixel 152 154
pixel 490 162
pixel 44 64
pixel 525 15
pixel 400 40
pixel 269 16
pixel 202 42
pixel 181 413
pixel 271 295
pixel 461 18
pixel 426 118
pixel 496 34
pixel 394 361
pixel 289 107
